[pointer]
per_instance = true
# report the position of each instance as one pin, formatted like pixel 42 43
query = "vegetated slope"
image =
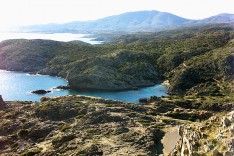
pixel 214 70
pixel 26 55
pixel 206 57
pixel 187 57
pixel 84 66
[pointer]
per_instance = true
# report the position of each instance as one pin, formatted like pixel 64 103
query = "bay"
pixel 65 37
pixel 17 86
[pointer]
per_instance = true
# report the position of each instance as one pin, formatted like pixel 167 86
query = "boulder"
pixel 225 122
pixel 40 91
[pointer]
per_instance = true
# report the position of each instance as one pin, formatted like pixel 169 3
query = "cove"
pixel 17 86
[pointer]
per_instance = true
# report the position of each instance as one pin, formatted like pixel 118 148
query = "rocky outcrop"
pixel 122 70
pixel 187 141
pixel 80 125
pixel 213 137
pixel 2 103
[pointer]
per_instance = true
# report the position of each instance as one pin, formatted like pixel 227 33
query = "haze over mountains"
pixel 129 22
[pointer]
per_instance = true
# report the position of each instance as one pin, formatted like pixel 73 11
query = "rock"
pixel 202 128
pixel 3 142
pixel 121 130
pixel 143 100
pixel 220 136
pixel 181 130
pixel 216 153
pixel 207 148
pixel 195 136
pixel 232 129
pixel 40 132
pixel 40 91
pixel 225 122
pixel 58 141
pixel 231 117
pixel 63 87
pixel 186 147
pixel 231 145
pixel 91 150
pixel 213 119
pixel 228 153
pixel 2 103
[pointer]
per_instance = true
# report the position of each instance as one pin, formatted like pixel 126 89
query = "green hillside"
pixel 188 58
pixel 196 119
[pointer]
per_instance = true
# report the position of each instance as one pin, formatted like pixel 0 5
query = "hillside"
pixel 187 57
pixel 140 21
pixel 197 117
pixel 85 67
pixel 78 125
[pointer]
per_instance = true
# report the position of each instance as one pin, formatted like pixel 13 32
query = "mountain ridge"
pixel 139 21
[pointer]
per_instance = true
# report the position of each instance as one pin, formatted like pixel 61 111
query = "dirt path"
pixel 170 139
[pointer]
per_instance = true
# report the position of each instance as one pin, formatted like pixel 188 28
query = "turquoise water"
pixel 17 86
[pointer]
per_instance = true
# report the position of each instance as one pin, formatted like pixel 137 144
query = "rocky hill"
pixel 79 125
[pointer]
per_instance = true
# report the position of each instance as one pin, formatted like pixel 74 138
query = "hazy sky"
pixel 21 12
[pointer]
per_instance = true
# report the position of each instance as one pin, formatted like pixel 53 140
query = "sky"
pixel 28 12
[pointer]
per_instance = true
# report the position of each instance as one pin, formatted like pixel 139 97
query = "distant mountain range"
pixel 129 22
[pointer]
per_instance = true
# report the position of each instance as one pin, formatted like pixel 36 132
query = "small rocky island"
pixel 40 91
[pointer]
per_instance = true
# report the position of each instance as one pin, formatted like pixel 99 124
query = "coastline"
pixel 127 95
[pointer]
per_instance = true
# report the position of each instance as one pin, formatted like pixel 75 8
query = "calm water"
pixel 66 37
pixel 17 86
